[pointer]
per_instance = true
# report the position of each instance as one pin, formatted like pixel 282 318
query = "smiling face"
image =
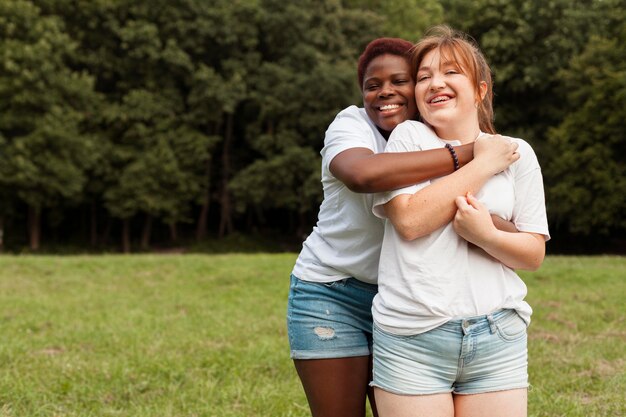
pixel 388 92
pixel 446 97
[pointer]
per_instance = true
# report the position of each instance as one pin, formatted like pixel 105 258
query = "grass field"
pixel 204 335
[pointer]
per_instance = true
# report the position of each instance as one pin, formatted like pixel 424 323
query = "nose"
pixel 437 82
pixel 386 90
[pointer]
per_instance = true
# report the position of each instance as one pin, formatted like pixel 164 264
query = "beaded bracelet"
pixel 453 154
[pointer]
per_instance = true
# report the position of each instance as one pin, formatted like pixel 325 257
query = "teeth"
pixel 440 99
pixel 389 107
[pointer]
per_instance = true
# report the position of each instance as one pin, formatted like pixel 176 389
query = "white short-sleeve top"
pixel 347 237
pixel 439 277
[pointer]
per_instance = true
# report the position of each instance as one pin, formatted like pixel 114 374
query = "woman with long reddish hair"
pixel 450 317
pixel 334 280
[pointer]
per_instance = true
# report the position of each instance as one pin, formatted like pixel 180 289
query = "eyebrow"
pixel 444 64
pixel 395 74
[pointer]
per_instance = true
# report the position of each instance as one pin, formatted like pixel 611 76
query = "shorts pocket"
pixel 511 327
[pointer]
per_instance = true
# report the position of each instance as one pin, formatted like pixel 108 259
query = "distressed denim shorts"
pixel 470 356
pixel 330 320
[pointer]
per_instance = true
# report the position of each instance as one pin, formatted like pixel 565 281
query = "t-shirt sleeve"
pixel 529 211
pixel 347 131
pixel 404 138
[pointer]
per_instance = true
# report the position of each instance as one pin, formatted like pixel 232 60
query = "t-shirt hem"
pixel 533 228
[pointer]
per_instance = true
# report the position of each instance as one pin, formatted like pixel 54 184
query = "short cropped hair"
pixel 382 46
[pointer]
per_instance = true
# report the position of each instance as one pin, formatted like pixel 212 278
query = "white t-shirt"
pixel 439 277
pixel 347 238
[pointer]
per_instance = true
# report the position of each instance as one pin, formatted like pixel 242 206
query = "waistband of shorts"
pixel 477 323
pixel 473 319
pixel 350 281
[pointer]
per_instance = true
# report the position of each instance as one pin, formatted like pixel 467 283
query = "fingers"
pixel 473 201
pixel 495 139
pixel 461 202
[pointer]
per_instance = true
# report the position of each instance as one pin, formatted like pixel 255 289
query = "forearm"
pixel 502 224
pixel 388 171
pixel 434 206
pixel 516 250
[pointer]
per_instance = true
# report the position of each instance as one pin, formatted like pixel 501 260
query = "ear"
pixel 482 87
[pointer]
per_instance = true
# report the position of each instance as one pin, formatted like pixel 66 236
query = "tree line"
pixel 170 120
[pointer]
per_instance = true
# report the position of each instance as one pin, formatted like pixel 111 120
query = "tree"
pixel 587 171
pixel 406 19
pixel 526 43
pixel 559 84
pixel 43 104
pixel 147 58
pixel 307 73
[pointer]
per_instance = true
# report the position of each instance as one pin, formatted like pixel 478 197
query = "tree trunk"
pixel 206 201
pixel 301 231
pixel 106 234
pixel 126 235
pixel 226 220
pixel 1 234
pixel 94 224
pixel 203 218
pixel 173 232
pixel 147 232
pixel 34 227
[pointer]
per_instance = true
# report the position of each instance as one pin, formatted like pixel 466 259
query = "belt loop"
pixel 465 327
pixel 492 323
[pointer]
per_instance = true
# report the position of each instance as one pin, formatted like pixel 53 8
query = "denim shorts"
pixel 470 356
pixel 330 320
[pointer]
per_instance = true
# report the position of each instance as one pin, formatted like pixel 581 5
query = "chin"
pixel 388 127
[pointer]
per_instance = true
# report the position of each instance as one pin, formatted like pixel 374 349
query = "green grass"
pixel 199 335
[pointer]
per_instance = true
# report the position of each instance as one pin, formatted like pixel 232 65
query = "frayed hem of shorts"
pixel 450 391
pixel 327 354
pixel 498 389
pixel 412 394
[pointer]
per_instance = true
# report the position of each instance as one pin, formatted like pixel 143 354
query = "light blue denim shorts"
pixel 330 320
pixel 470 356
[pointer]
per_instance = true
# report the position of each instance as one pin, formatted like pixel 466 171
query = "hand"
pixel 495 152
pixel 472 220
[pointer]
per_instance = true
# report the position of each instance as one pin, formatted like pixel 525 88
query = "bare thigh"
pixel 336 387
pixel 394 405
pixel 509 403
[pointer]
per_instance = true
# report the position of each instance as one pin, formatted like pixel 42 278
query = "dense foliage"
pixel 178 119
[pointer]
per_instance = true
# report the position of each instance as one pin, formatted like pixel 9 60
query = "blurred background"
pixel 182 125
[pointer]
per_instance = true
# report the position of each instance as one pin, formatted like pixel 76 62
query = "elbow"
pixel 534 262
pixel 408 231
pixel 360 183
pixel 532 266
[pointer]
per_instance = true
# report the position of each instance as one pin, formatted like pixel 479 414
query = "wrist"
pixel 492 239
pixel 453 155
pixel 486 165
pixel 465 153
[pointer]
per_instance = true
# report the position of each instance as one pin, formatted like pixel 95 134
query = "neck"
pixel 464 132
pixel 385 134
